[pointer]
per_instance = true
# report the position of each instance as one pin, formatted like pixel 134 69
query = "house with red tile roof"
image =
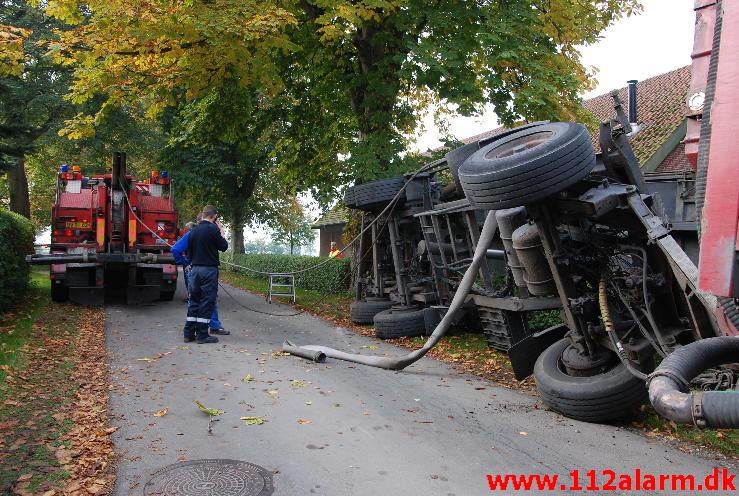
pixel 661 108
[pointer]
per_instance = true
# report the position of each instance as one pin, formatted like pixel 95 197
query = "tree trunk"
pixel 237 231
pixel 18 186
pixel 291 244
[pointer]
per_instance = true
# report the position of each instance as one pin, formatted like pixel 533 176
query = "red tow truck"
pixel 111 231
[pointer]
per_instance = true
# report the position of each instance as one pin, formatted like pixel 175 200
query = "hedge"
pixel 16 241
pixel 332 277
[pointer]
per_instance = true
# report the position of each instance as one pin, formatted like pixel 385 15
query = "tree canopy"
pixel 372 64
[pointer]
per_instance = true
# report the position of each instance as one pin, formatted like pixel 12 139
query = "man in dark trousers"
pixel 206 240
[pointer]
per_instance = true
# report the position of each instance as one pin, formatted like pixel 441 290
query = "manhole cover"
pixel 211 478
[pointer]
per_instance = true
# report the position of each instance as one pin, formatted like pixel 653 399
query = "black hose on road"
pixel 399 363
pixel 669 385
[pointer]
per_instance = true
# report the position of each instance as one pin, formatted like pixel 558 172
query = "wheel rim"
pixel 519 145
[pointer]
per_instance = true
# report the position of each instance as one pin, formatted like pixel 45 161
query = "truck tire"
pixel 375 195
pixel 613 394
pixel 364 311
pixel 396 323
pixel 527 166
pixel 166 295
pixel 59 293
pixel 456 157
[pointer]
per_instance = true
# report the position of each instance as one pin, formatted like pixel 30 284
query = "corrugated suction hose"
pixel 669 390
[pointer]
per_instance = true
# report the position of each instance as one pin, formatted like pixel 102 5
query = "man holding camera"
pixel 205 241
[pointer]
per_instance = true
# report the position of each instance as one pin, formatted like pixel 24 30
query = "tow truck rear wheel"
pixel 611 394
pixel 166 295
pixel 59 292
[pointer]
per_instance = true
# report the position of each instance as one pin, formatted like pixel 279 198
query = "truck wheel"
pixel 364 311
pixel 456 157
pixel 59 292
pixel 166 295
pixel 374 195
pixel 527 166
pixel 396 323
pixel 607 396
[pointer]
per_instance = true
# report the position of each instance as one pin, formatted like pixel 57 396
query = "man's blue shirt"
pixel 179 248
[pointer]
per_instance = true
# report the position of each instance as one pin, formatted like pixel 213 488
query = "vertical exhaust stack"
pixel 635 127
pixel 632 101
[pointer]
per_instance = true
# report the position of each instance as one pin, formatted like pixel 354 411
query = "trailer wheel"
pixel 364 311
pixel 527 166
pixel 396 323
pixel 59 293
pixel 374 195
pixel 613 394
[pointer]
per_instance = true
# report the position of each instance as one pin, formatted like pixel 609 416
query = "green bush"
pixel 332 277
pixel 16 241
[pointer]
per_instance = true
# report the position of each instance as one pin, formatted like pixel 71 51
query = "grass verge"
pixel 53 399
pixel 469 352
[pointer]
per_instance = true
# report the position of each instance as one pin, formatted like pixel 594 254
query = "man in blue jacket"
pixel 204 243
pixel 179 252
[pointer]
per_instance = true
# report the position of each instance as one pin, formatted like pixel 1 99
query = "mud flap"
pixel 523 354
pixel 88 296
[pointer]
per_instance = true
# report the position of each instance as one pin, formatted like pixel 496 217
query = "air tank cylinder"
pixel 530 253
pixel 508 221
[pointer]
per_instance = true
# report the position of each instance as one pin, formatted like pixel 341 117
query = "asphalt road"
pixel 343 429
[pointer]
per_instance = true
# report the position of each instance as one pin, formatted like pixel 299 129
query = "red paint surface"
pixel 721 211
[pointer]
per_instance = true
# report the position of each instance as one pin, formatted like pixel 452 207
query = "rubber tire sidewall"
pixel 457 156
pixel 394 323
pixel 364 311
pixel 375 195
pixel 599 398
pixel 531 175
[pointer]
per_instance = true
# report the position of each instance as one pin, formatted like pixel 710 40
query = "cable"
pixel 388 208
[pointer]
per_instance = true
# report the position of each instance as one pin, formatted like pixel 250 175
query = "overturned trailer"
pixel 579 231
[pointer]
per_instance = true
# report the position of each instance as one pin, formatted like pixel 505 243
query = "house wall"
pixel 329 234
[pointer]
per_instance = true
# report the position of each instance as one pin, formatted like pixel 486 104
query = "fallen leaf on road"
pixel 273 392
pixel 370 346
pixel 304 422
pixel 335 405
pixel 308 403
pixel 213 412
pixel 248 378
pixel 154 358
pixel 254 420
pixel 161 413
pixel 296 383
pixel 523 433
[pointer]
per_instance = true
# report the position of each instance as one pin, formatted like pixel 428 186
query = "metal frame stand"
pixel 281 281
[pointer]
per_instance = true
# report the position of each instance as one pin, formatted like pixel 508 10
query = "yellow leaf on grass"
pixel 161 413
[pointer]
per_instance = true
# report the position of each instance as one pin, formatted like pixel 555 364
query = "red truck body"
pixel 112 231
